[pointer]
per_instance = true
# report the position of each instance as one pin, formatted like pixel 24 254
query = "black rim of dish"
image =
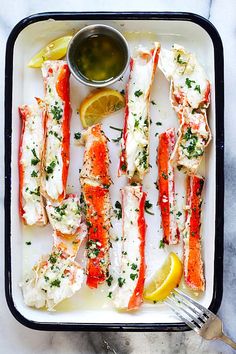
pixel 219 215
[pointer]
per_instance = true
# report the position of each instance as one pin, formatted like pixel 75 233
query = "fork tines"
pixel 188 310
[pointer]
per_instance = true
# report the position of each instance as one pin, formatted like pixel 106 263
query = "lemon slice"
pixel 165 279
pixel 99 104
pixel 53 51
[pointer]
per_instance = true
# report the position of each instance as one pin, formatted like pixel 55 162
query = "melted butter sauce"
pixel 87 298
pixel 100 58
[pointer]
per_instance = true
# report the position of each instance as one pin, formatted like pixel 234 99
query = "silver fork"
pixel 201 320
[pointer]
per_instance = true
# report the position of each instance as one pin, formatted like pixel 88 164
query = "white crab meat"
pixel 53 279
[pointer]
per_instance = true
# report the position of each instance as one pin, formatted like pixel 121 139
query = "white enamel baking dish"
pixel 91 309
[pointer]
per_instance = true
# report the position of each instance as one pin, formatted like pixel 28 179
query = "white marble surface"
pixel 14 338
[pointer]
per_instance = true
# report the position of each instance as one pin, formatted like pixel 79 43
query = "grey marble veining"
pixel 14 338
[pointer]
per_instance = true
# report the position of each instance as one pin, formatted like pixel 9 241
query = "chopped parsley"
pixel 121 282
pixel 179 60
pixel 197 88
pixel 123 167
pixel 93 250
pixel 28 243
pixel 154 103
pixel 148 206
pixel 190 148
pixel 138 93
pixel 89 224
pixel 77 136
pixel 50 168
pixel 61 209
pixel 94 253
pixel 52 259
pixel 109 280
pixel 161 244
pixel 46 278
pixel 55 134
pixel 118 210
pixel 178 214
pixel 158 123
pixel 35 160
pixel 143 155
pixel 164 175
pixel 36 191
pixel 56 111
pixel 133 276
pixel 189 82
pixel 134 266
pixel 136 123
pixel 34 174
pixel 109 295
pixel 56 283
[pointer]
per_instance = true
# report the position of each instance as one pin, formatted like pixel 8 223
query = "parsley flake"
pixel 162 244
pixel 189 82
pixel 197 88
pixel 148 206
pixel 138 93
pixel 36 160
pixel 77 136
pixel 179 60
pixel 118 210
pixel 109 280
pixel 56 283
pixel 121 282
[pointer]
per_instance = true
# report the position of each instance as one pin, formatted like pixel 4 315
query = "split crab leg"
pixel 31 202
pixel 193 264
pixel 167 187
pixel 134 159
pixel 95 182
pixel 56 157
pixel 132 274
pixel 57 276
pixel 96 157
pixel 66 221
pixel 193 137
pixel 190 97
pixel 97 203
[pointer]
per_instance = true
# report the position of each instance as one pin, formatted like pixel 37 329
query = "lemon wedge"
pixel 99 104
pixel 53 51
pixel 165 279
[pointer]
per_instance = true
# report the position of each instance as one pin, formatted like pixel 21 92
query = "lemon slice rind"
pixel 159 291
pixel 98 105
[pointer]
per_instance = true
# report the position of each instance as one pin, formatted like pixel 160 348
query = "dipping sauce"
pixel 100 58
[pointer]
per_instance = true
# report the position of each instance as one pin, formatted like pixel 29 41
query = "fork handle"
pixel 227 340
